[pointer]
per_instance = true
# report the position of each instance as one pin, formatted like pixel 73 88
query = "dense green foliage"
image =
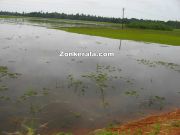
pixel 131 22
pixel 149 25
pixel 64 16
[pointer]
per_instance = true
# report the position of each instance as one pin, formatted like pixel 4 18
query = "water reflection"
pixel 120 45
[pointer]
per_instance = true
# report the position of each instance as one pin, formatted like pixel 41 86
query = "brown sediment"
pixel 163 124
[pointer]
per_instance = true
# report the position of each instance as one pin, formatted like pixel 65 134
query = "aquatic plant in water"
pixel 29 93
pixel 5 72
pixel 132 93
pixel 3 88
pixel 3 69
pixel 4 98
pixel 156 101
pixel 100 78
pixel 33 93
pixel 76 84
pixel 173 66
pixel 31 123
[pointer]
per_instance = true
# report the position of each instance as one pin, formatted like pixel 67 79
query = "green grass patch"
pixel 153 36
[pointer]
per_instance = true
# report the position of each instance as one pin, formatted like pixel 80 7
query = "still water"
pixel 79 94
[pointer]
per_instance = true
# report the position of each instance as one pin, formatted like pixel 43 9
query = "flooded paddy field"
pixel 48 93
pixel 56 23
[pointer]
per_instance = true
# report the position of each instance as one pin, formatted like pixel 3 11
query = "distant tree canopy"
pixel 133 23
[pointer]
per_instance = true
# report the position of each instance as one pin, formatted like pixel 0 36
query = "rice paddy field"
pixel 44 93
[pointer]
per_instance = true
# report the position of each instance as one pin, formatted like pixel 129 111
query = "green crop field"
pixel 153 36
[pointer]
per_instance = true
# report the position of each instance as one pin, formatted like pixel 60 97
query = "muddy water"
pixel 78 94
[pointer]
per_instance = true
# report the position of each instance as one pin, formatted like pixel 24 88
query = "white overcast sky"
pixel 146 9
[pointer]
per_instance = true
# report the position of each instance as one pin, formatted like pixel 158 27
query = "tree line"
pixel 133 22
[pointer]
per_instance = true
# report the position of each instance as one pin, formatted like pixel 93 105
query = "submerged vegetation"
pixel 173 66
pixel 3 88
pixel 156 101
pixel 5 73
pixel 132 93
pixel 101 79
pixel 98 79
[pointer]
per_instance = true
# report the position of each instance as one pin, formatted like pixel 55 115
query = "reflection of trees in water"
pixel 120 45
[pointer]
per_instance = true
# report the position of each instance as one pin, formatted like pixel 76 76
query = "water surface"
pixel 78 94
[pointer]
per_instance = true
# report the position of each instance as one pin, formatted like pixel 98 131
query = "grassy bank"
pixel 153 36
